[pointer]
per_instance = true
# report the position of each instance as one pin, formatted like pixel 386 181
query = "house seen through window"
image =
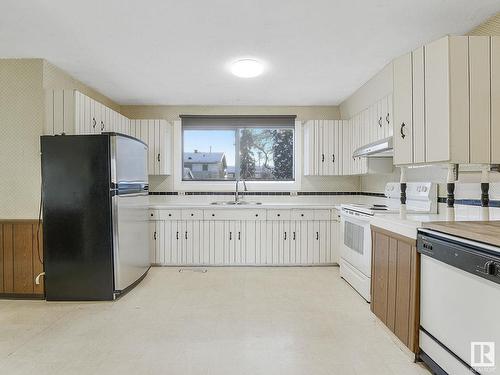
pixel 225 149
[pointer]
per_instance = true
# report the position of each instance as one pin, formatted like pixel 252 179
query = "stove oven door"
pixel 356 242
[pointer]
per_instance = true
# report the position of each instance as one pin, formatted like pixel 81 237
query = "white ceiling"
pixel 318 52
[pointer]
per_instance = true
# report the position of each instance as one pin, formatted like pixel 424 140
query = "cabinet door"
pixel 380 275
pixel 382 111
pixel 309 148
pixel 153 242
pixel 479 83
pixel 403 136
pixel 495 99
pixel 389 117
pixel 326 144
pixel 285 243
pixel 334 242
pixel 336 153
pixel 164 148
pixel 418 106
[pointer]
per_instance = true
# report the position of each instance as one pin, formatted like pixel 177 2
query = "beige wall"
pixel 22 114
pixel 21 123
pixel 172 112
pixel 489 27
pixel 379 86
pixel 55 78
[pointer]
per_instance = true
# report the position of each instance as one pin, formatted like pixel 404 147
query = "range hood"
pixel 378 149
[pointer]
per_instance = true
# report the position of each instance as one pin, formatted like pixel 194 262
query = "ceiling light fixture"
pixel 247 68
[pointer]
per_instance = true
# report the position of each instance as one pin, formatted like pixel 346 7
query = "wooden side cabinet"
pixel 395 284
pixel 20 255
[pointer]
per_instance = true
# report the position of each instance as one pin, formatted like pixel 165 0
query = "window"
pixel 248 148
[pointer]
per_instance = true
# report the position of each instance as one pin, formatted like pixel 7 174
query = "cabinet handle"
pixel 285 235
pixel 317 235
pixel 94 122
pixel 158 157
pixel 322 158
pixel 294 236
pixel 403 135
pixel 230 236
pixel 177 235
pixel 239 236
pixel 380 121
pixel 333 158
pixel 102 125
pixel 154 235
pixel 387 119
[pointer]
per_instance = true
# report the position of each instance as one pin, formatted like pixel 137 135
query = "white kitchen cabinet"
pixel 157 135
pixel 322 148
pixel 402 90
pixel 286 237
pixel 446 100
pixel 495 100
pixel 71 112
pixel 479 98
pixel 418 103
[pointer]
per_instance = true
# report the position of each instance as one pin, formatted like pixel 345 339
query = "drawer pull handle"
pixel 192 214
pixel 285 235
pixel 177 235
pixel 256 215
pixel 158 158
pixel 230 236
pixel 186 235
pixel 213 215
pixel 152 215
pixel 294 236
pixel 302 215
pixel 322 158
pixel 102 125
pixel 333 158
pixel 170 215
pixel 94 122
pixel 317 235
pixel 239 236
pixel 154 235
pixel 387 119
pixel 380 121
pixel 278 215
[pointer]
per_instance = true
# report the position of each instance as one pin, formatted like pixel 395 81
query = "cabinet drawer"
pixel 192 214
pixel 302 214
pixel 322 215
pixel 153 214
pixel 169 214
pixel 279 214
pixel 235 214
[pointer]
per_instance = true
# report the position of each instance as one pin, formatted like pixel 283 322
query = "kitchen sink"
pixel 233 203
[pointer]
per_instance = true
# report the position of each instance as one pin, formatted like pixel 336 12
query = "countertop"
pixel 481 231
pixel 263 206
pixel 407 225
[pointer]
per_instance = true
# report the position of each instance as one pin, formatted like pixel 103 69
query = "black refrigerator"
pixel 95 215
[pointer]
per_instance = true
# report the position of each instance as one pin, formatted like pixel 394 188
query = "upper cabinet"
pixel 446 102
pixel 157 134
pixel 323 148
pixel 71 112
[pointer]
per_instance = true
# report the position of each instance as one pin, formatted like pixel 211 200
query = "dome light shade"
pixel 247 68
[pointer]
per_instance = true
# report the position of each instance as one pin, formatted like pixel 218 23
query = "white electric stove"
pixel 355 250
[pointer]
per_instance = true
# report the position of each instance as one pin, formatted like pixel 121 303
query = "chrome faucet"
pixel 236 192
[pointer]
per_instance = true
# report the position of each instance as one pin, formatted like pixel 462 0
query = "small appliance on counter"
pixel 95 223
pixel 460 297
pixel 355 249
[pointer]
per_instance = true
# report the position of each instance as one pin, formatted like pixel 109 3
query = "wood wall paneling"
pixel 19 258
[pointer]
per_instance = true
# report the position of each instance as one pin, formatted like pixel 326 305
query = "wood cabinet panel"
pixel 403 276
pixel 380 275
pixel 395 284
pixel 8 258
pixel 391 283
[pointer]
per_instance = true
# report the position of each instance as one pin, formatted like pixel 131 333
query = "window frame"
pixel 229 185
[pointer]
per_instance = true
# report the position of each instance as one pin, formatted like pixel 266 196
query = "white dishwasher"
pixel 459 304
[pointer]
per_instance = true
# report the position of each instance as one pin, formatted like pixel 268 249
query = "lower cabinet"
pixel 20 258
pixel 243 242
pixel 395 284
